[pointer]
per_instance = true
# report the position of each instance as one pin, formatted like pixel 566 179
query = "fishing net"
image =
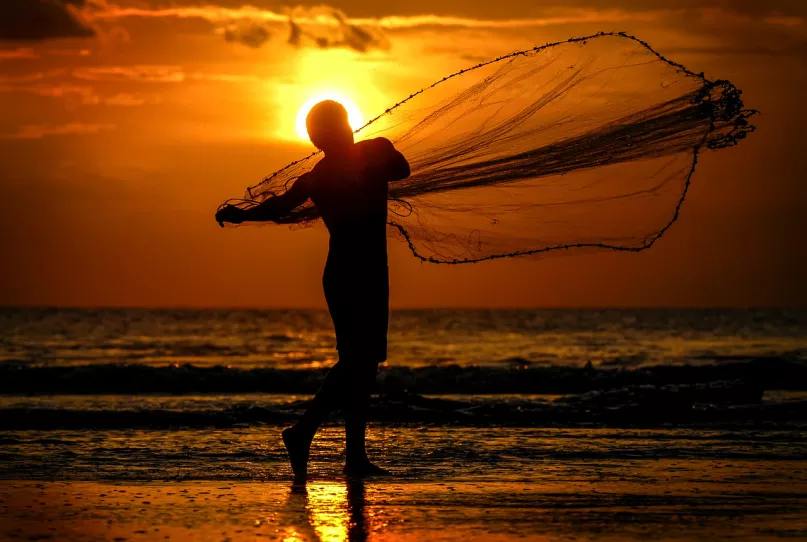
pixel 589 143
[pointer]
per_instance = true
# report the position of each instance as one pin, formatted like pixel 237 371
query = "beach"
pixel 459 485
pixel 496 425
pixel 337 510
pixel 447 484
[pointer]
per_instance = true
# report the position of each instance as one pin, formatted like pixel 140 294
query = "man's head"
pixel 328 127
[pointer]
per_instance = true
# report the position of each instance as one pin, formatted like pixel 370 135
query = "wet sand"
pixel 449 483
pixel 668 500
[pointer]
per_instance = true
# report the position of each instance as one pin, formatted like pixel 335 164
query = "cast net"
pixel 589 143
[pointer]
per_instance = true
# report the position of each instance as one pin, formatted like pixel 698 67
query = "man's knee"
pixel 362 373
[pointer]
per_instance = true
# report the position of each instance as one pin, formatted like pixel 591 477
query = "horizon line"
pixel 399 309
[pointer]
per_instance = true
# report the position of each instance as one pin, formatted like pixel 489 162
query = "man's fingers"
pixel 229 213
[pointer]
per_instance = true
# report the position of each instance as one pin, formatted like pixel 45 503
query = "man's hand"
pixel 229 213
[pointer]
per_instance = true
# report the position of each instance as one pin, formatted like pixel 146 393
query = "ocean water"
pixel 197 394
pixel 304 339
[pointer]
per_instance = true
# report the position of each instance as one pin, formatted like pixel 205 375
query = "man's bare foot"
pixel 298 446
pixel 361 469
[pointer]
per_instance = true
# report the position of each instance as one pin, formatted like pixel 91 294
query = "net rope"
pixel 589 143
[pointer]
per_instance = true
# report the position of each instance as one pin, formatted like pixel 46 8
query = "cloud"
pixel 38 131
pixel 211 13
pixel 784 20
pixel 31 77
pixel 19 53
pixel 329 27
pixel 767 8
pixel 82 94
pixel 138 73
pixel 797 49
pixel 37 20
pixel 151 74
pixel 127 99
pixel 61 84
pixel 323 16
pixel 320 26
pixel 75 95
pixel 143 74
pixel 250 34
pixel 69 52
pixel 224 77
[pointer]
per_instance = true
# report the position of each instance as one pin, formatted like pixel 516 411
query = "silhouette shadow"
pixel 327 511
pixel 356 504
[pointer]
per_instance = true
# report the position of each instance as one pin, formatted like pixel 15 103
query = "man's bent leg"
pixel 298 438
pixel 329 397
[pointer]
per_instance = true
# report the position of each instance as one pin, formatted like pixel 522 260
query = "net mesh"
pixel 590 143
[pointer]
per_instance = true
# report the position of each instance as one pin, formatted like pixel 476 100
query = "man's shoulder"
pixel 307 180
pixel 377 144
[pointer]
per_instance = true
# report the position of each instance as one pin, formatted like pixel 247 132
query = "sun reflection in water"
pixel 327 507
pixel 325 512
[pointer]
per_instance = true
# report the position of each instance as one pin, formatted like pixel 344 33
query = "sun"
pixel 354 116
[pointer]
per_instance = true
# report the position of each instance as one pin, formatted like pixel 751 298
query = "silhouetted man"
pixel 349 189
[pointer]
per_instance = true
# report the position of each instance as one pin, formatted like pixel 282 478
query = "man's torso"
pixel 351 197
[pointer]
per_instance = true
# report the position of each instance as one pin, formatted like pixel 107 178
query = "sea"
pixel 181 394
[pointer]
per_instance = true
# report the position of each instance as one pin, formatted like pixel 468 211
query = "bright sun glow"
pixel 354 116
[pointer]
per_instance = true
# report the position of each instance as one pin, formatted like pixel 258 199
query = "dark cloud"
pixel 341 34
pixel 357 37
pixel 321 26
pixel 36 20
pixel 781 48
pixel 799 51
pixel 767 8
pixel 252 35
pixel 519 9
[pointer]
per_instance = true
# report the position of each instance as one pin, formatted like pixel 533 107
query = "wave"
pixel 734 404
pixel 634 414
pixel 759 374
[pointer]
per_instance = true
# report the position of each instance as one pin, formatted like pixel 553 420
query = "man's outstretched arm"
pixel 270 209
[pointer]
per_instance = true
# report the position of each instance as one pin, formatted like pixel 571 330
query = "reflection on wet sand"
pixel 326 512
pixel 632 500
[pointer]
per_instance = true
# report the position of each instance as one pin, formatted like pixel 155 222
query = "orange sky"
pixel 123 125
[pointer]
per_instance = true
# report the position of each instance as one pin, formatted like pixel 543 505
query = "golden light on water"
pixel 354 116
pixel 318 512
pixel 327 505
